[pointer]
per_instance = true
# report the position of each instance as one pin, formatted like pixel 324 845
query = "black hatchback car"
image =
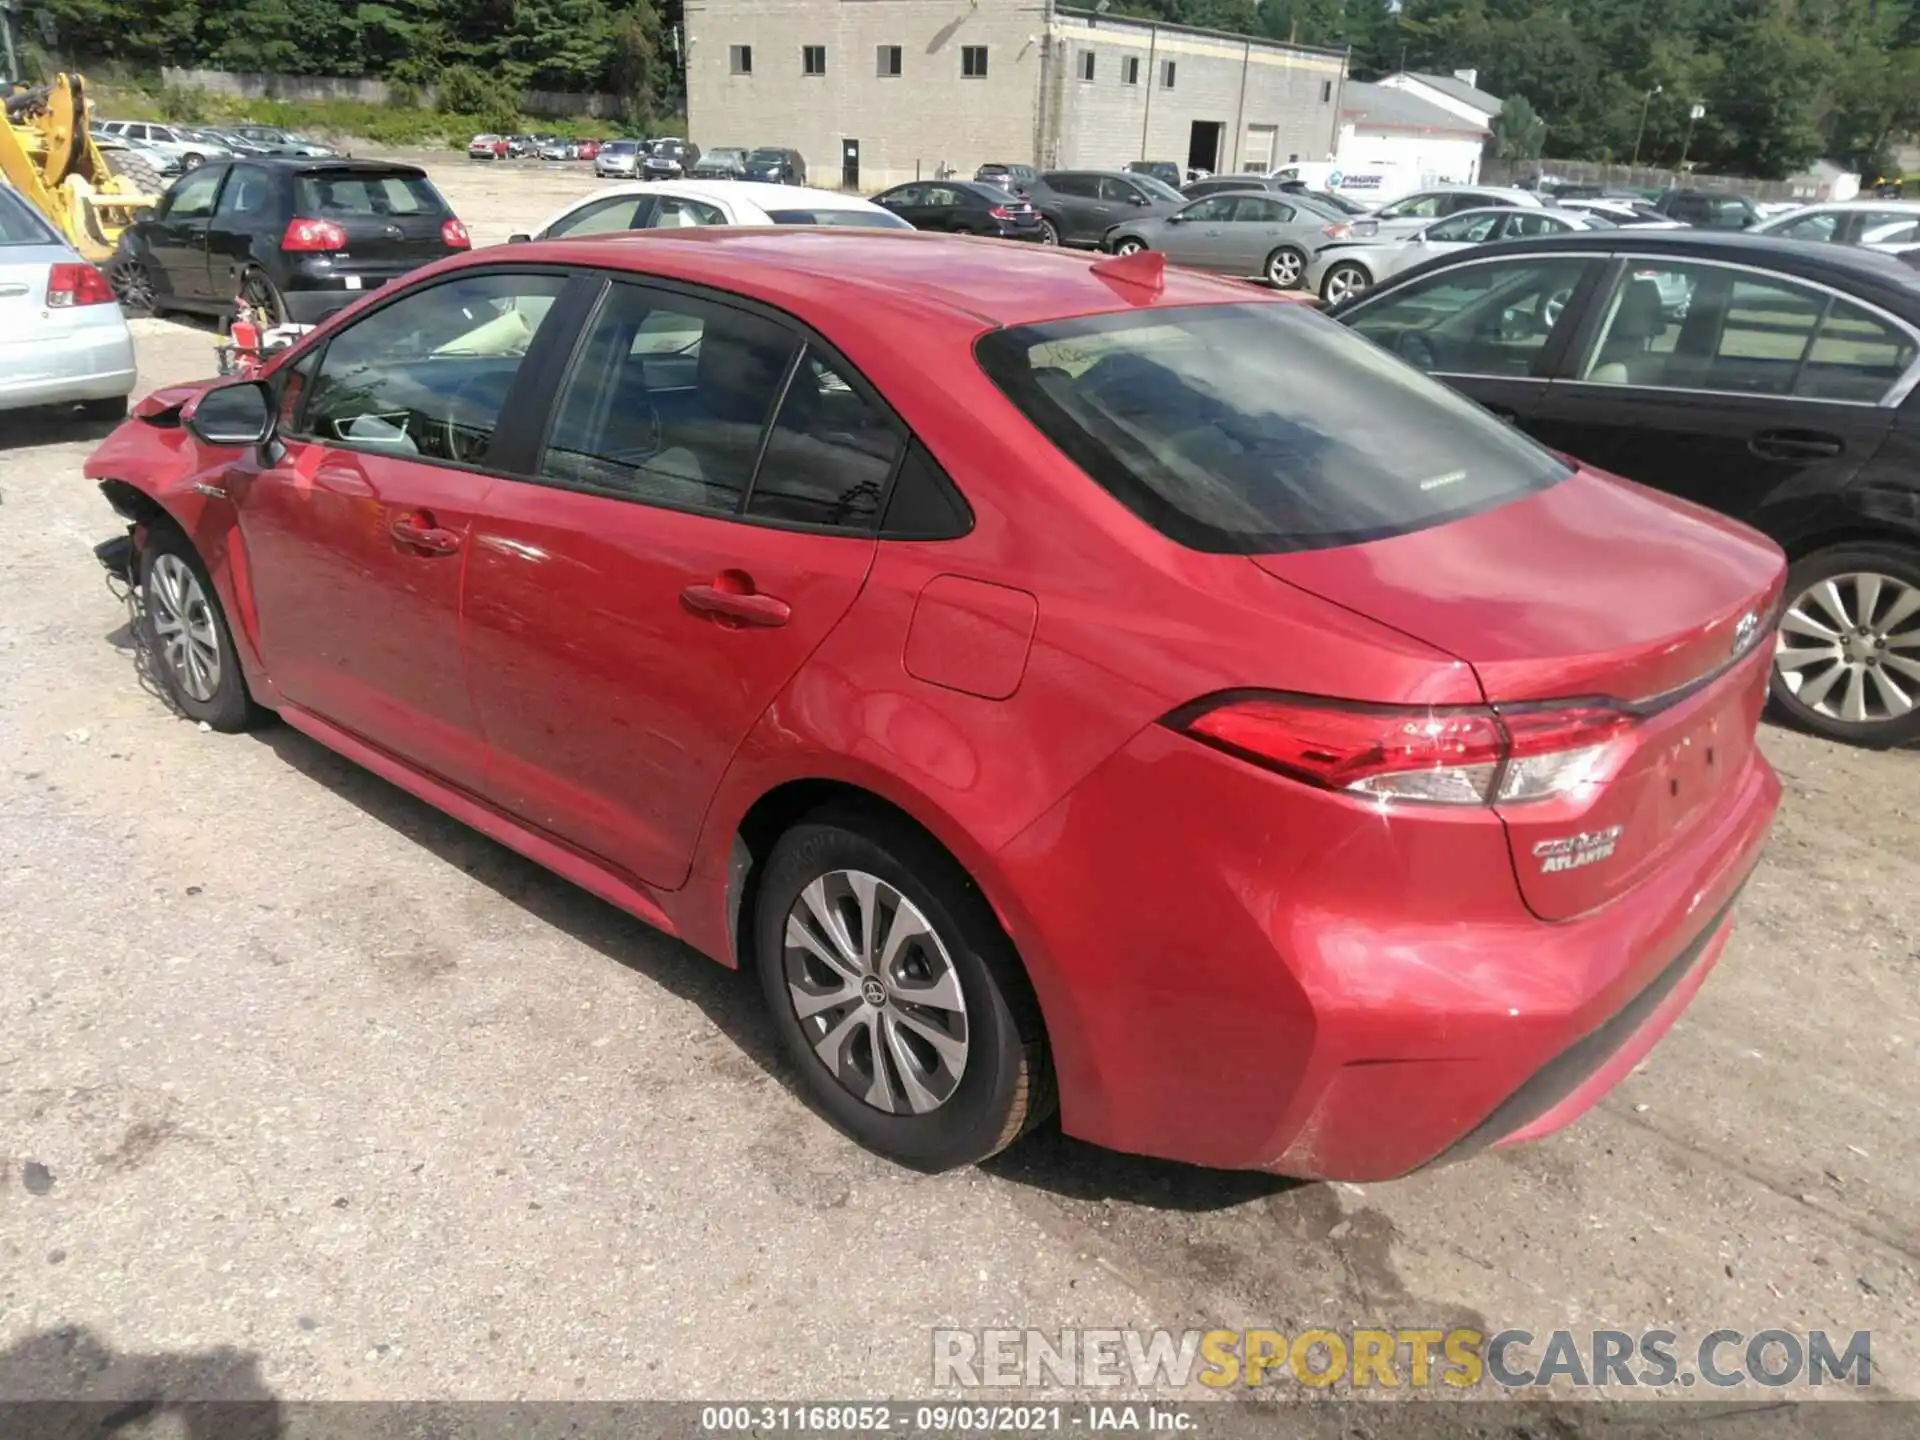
pixel 1772 381
pixel 774 164
pixel 963 207
pixel 295 239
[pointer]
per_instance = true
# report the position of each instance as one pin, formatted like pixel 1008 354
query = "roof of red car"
pixel 912 274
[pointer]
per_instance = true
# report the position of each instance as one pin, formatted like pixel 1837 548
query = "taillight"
pixel 70 285
pixel 454 236
pixel 1000 212
pixel 1449 755
pixel 313 236
pixel 1340 231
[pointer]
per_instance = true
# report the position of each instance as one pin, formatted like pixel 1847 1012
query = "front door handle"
pixel 742 605
pixel 419 531
pixel 1796 445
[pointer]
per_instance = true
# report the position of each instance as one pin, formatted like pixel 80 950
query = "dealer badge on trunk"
pixel 1570 852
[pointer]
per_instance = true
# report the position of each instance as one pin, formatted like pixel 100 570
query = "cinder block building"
pixel 874 92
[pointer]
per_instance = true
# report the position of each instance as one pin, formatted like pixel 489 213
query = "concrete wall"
pixel 1286 99
pixel 908 124
pixel 248 85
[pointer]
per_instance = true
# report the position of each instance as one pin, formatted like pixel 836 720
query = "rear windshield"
pixel 852 219
pixel 1256 428
pixel 619 147
pixel 19 225
pixel 359 194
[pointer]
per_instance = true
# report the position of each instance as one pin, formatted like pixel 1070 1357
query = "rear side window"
pixel 853 219
pixel 21 226
pixel 828 455
pixel 351 195
pixel 1259 428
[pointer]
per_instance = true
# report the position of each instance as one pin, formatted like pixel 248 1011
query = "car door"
pixel 701 517
pixel 1260 225
pixel 906 201
pixel 1725 384
pixel 248 204
pixel 1082 212
pixel 1491 328
pixel 1196 234
pixel 358 535
pixel 177 237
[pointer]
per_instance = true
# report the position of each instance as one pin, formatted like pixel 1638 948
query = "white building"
pixel 1458 94
pixel 1394 139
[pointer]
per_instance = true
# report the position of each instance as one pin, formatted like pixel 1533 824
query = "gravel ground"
pixel 309 1091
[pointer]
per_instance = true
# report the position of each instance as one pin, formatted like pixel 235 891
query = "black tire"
pixel 1048 234
pixel 227 706
pixel 1895 565
pixel 1005 1084
pixel 1285 268
pixel 1347 269
pixel 191 162
pixel 265 297
pixel 111 410
pixel 131 280
pixel 136 170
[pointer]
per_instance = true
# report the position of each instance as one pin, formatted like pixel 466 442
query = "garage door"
pixel 1258 154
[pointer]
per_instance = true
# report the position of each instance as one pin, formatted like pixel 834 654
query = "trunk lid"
pixel 1590 588
pixel 391 217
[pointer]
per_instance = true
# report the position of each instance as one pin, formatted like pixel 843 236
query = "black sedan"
pixel 964 207
pixel 294 239
pixel 1769 380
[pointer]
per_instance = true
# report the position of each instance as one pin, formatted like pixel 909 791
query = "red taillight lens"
pixel 1000 212
pixel 70 285
pixel 1450 755
pixel 454 236
pixel 313 236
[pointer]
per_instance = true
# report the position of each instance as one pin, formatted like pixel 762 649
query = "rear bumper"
pixel 93 362
pixel 1265 976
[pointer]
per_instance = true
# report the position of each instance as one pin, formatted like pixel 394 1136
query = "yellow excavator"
pixel 48 154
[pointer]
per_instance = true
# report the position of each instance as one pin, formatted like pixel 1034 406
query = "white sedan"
pixel 665 205
pixel 1346 267
pixel 63 340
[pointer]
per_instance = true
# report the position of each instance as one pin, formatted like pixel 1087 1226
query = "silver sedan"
pixel 63 340
pixel 1239 233
pixel 1346 267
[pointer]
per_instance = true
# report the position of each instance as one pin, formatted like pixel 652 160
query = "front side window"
pixel 192 198
pixel 1689 326
pixel 973 62
pixel 249 192
pixel 1219 207
pixel 427 376
pixel 1414 207
pixel 667 401
pixel 829 454
pixel 601 217
pixel 1484 319
pixel 1524 223
pixel 675 212
pixel 1258 428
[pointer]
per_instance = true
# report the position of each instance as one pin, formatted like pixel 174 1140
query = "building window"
pixel 973 61
pixel 1326 91
pixel 813 59
pixel 1130 72
pixel 1086 64
pixel 740 59
pixel 889 60
pixel 1166 75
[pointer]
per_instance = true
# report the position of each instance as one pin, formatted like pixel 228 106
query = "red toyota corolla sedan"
pixel 1058 676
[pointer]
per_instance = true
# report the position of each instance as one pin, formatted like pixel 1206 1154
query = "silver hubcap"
pixel 183 620
pixel 1343 283
pixel 1849 648
pixel 1284 269
pixel 876 993
pixel 1131 247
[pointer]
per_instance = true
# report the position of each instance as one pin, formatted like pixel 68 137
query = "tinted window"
pixel 829 455
pixel 1468 229
pixel 1085 187
pixel 1698 327
pixel 1120 191
pixel 1259 427
pixel 667 400
pixel 1484 319
pixel 248 193
pixel 1889 228
pixel 192 198
pixel 428 375
pixel 1255 210
pixel 602 217
pixel 348 194
pixel 1220 207
pixel 856 219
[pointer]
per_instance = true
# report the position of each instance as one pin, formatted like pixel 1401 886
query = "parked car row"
pixel 187 147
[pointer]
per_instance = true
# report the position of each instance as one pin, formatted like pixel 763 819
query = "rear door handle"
pixel 747 608
pixel 1796 445
pixel 421 533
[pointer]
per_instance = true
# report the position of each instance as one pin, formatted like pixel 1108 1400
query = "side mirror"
pixel 144 214
pixel 233 415
pixel 1140 199
pixel 1176 219
pixel 519 239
